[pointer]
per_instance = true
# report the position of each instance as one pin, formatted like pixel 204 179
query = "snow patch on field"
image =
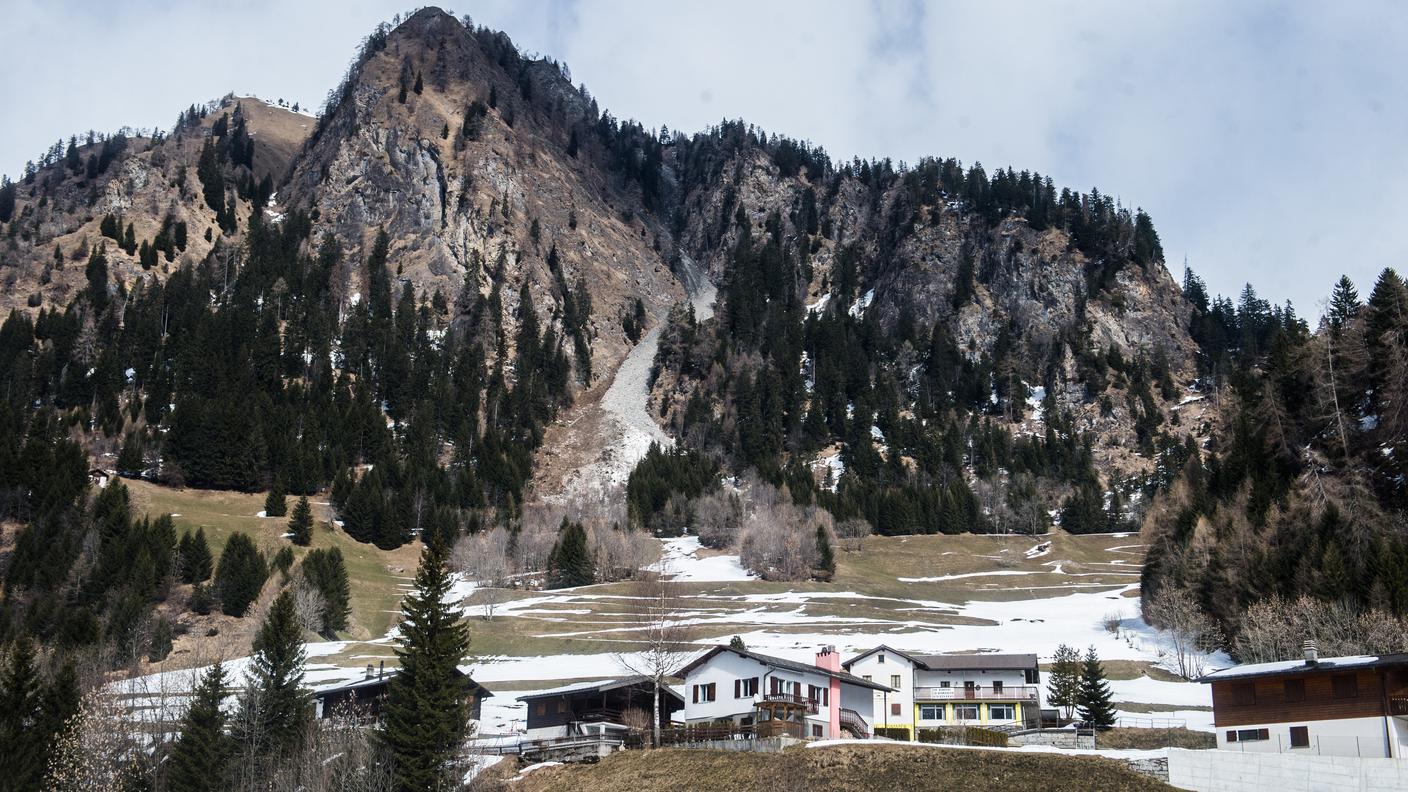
pixel 680 561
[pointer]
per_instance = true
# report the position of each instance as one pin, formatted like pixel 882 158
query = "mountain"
pixel 464 299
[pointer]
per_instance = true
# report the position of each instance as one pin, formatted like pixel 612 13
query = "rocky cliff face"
pixel 145 182
pixel 487 169
pixel 486 194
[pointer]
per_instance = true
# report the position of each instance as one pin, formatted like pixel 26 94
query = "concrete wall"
pixel 1369 737
pixel 1230 771
pixel 1059 738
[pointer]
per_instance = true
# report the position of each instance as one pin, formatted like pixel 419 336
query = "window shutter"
pixel 738 688
pixel 696 694
pixel 1231 735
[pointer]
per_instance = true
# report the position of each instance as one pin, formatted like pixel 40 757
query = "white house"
pixel 1332 706
pixel 770 696
pixel 950 690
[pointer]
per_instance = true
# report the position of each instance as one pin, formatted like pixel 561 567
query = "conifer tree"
pixel 129 461
pixel 274 708
pixel 240 575
pixel 200 756
pixel 571 561
pixel 825 555
pixel 300 525
pixel 276 502
pixel 1344 303
pixel 194 557
pixel 1093 703
pixel 328 574
pixel 21 714
pixel 425 715
pixel 1063 680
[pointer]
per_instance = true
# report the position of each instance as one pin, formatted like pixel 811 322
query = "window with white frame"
pixel 965 712
pixel 1002 712
pixel 931 712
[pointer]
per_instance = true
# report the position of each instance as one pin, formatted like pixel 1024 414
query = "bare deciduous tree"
pixel 1193 633
pixel 654 613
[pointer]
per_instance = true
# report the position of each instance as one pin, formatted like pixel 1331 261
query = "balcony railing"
pixel 1398 706
pixel 852 721
pixel 1004 693
pixel 788 700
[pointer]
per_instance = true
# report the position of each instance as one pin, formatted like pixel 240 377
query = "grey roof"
pixel 783 663
pixel 598 687
pixel 956 662
pixel 882 648
pixel 381 678
pixel 1300 667
pixel 977 662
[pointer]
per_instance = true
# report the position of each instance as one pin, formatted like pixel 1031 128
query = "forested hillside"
pixel 1290 523
pixel 389 307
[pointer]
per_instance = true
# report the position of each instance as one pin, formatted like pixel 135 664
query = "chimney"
pixel 369 671
pixel 382 671
pixel 1312 654
pixel 828 659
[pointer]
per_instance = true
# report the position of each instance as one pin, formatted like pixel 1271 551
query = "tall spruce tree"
pixel 193 557
pixel 425 715
pixel 571 561
pixel 1063 680
pixel 328 574
pixel 240 575
pixel 201 753
pixel 1093 704
pixel 274 708
pixel 23 745
pixel 300 525
pixel 826 557
pixel 276 502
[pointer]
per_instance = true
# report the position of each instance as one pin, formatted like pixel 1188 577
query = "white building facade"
pixel 770 696
pixel 996 690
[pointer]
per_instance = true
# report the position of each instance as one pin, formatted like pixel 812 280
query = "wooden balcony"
pixel 1005 693
pixel 787 702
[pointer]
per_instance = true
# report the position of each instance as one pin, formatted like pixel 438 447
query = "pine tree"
pixel 240 575
pixel 826 557
pixel 571 561
pixel 300 525
pixel 1344 303
pixel 274 708
pixel 276 502
pixel 1093 703
pixel 129 460
pixel 200 756
pixel 425 712
pixel 328 574
pixel 21 714
pixel 194 557
pixel 1063 680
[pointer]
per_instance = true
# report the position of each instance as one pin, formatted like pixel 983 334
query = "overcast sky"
pixel 1269 141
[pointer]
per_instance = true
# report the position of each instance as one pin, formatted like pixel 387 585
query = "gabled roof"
pixel 381 679
pixel 957 662
pixel 978 662
pixel 1324 665
pixel 600 686
pixel 781 663
pixel 882 648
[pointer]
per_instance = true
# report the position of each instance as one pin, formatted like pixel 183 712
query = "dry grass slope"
pixel 847 768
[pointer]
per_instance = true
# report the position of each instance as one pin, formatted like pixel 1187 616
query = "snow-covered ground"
pixel 680 561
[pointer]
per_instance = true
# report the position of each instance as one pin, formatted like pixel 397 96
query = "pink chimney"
pixel 829 660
